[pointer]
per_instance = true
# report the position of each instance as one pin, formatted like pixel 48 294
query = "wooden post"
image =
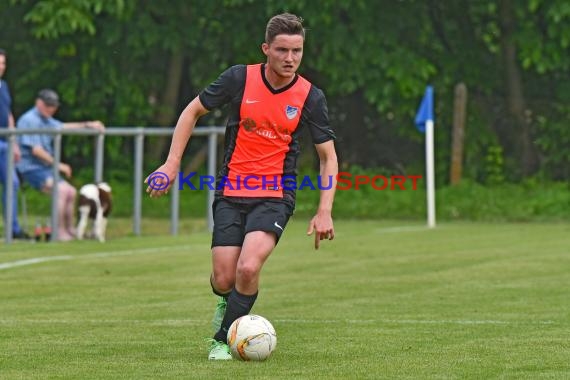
pixel 458 133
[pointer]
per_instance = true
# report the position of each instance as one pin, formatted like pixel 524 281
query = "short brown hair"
pixel 285 23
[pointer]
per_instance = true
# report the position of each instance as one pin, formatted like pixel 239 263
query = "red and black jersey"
pixel 264 124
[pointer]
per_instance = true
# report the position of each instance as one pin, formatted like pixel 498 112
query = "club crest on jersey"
pixel 291 112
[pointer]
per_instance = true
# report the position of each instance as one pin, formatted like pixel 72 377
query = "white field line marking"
pixel 416 321
pixel 165 322
pixel 35 260
pixel 182 322
pixel 38 260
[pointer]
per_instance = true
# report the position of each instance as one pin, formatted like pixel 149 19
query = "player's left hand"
pixel 322 226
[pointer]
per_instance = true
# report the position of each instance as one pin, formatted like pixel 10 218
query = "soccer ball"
pixel 251 337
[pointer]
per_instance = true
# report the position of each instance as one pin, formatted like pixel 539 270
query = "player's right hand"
pixel 160 181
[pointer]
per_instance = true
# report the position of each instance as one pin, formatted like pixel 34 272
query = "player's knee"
pixel 248 271
pixel 223 282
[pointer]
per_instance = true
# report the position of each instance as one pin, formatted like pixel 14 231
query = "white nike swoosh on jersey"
pixel 278 226
pixel 247 101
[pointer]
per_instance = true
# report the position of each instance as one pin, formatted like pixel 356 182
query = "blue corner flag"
pixel 425 112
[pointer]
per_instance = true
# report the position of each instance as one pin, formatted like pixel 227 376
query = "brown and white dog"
pixel 95 203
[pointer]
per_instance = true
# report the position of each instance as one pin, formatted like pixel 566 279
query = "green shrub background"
pixel 532 200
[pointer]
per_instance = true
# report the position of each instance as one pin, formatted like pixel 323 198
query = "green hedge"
pixel 531 200
pixel 467 201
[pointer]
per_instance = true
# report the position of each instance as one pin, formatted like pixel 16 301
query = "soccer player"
pixel 269 104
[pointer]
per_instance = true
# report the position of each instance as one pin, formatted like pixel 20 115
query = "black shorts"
pixel 232 220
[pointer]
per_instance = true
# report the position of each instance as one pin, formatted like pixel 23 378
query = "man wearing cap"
pixel 37 156
pixel 7 121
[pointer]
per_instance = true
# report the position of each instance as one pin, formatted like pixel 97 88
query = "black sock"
pixel 238 306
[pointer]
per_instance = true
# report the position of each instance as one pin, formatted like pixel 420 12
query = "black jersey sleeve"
pixel 225 88
pixel 316 117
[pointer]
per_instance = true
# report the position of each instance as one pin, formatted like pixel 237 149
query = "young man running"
pixel 269 104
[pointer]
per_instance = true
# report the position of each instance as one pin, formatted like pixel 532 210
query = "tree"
pixel 139 62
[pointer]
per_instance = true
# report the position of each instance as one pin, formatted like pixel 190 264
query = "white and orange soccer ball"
pixel 251 337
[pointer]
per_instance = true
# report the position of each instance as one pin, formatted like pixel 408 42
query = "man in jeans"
pixel 7 121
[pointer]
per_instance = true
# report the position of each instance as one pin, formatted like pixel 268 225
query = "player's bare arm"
pixel 182 132
pixel 322 223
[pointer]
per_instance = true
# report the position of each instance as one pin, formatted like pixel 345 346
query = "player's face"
pixel 284 54
pixel 2 65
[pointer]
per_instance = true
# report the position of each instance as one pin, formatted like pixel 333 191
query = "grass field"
pixel 384 300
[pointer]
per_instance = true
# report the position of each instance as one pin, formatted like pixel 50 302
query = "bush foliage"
pixel 534 200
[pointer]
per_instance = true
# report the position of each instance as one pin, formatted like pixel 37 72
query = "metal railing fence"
pixel 139 134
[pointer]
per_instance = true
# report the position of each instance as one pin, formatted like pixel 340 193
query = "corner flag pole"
pixel 425 123
pixel 430 174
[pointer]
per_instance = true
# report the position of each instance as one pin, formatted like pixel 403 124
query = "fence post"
pixel 138 188
pixel 174 206
pixel 458 133
pixel 9 189
pixel 55 187
pixel 99 156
